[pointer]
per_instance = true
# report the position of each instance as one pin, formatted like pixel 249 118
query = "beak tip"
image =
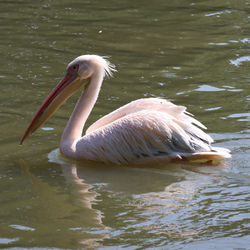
pixel 21 142
pixel 23 138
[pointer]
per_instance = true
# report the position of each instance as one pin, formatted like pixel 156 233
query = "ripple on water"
pixel 210 88
pixel 238 61
pixel 6 241
pixel 193 209
pixel 21 227
pixel 241 117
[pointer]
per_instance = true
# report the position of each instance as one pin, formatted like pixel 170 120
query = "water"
pixel 193 53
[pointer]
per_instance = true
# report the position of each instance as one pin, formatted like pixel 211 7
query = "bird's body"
pixel 145 131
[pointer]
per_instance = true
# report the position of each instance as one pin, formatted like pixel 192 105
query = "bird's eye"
pixel 75 67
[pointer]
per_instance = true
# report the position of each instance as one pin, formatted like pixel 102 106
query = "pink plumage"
pixel 145 131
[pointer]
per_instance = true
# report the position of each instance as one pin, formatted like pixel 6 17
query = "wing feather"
pixel 150 104
pixel 136 132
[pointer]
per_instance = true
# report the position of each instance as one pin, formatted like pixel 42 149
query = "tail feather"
pixel 217 155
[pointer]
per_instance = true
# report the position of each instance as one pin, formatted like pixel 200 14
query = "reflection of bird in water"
pixel 141 132
pixel 82 194
pixel 69 211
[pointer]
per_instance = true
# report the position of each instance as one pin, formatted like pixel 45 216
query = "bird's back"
pixel 144 104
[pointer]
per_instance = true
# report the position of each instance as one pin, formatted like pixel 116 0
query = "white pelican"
pixel 145 131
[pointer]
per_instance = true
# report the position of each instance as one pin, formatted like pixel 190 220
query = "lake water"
pixel 195 53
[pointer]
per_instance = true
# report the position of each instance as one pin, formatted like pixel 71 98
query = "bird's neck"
pixel 84 106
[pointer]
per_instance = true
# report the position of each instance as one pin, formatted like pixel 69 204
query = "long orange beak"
pixel 66 88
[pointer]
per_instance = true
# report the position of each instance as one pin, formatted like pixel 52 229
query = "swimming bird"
pixel 144 131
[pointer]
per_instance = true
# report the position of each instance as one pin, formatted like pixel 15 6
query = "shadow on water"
pixel 104 204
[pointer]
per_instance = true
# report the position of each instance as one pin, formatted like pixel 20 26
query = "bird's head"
pixel 85 66
pixel 78 75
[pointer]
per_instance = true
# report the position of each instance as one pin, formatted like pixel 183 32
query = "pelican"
pixel 144 131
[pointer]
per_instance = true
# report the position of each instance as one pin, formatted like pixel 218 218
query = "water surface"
pixel 195 54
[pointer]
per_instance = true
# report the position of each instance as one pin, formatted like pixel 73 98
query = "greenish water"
pixel 195 54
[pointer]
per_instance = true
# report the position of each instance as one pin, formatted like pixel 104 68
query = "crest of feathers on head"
pixel 109 68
